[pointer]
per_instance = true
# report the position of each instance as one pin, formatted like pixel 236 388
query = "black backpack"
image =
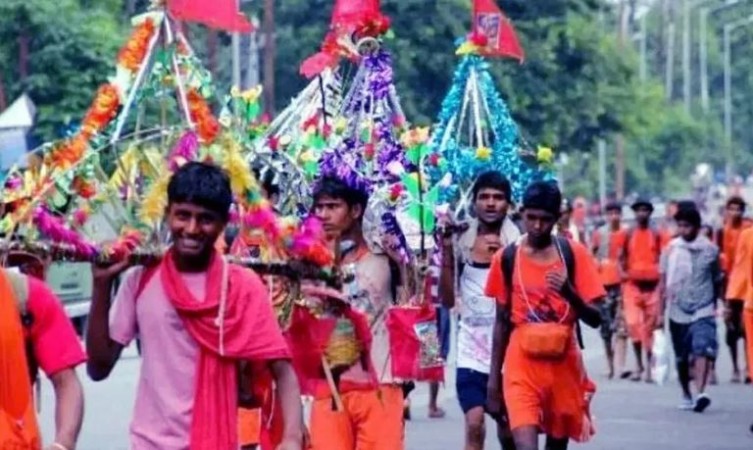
pixel 566 252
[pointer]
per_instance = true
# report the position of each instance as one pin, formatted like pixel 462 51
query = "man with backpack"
pixel 543 285
pixel 640 259
pixel 199 318
pixel 467 259
pixel 36 333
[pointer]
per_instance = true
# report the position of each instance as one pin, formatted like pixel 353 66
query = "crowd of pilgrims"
pixel 516 281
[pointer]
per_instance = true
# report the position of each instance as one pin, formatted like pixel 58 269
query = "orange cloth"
pixel 551 395
pixel 748 325
pixel 371 420
pixel 249 426
pixel 18 422
pixel 641 310
pixel 548 306
pixel 740 284
pixel 643 251
pixel 609 268
pixel 730 239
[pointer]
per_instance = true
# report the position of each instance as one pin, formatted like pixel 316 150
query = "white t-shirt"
pixel 476 324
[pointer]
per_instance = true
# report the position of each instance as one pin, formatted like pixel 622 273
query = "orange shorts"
pixel 371 420
pixel 641 309
pixel 748 325
pixel 249 426
pixel 550 395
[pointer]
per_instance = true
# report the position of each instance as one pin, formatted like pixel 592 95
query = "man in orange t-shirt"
pixel 740 286
pixel 641 265
pixel 727 239
pixel 608 243
pixel 544 385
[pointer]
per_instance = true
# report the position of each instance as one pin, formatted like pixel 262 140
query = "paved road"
pixel 629 416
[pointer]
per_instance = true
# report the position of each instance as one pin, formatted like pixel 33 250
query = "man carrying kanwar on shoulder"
pixel 640 259
pixel 469 260
pixel 372 400
pixel 727 239
pixel 543 285
pixel 607 244
pixel 36 333
pixel 690 285
pixel 198 318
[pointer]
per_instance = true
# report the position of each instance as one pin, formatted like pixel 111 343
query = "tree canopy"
pixel 578 84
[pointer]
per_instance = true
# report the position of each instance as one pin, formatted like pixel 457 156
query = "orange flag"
pixel 220 14
pixel 490 22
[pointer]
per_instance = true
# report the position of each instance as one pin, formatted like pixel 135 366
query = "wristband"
pixel 59 446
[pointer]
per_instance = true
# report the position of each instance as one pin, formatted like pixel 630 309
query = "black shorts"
pixel 610 312
pixel 696 339
pixel 471 388
pixel 734 322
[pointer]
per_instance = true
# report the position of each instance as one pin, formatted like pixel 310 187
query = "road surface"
pixel 629 416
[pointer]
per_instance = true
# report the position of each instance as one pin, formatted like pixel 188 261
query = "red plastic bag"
pixel 414 343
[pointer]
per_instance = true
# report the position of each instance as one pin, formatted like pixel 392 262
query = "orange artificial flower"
pixel 103 109
pixel 134 51
pixel 69 152
pixel 207 126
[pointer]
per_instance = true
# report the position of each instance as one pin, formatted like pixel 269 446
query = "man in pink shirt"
pixel 197 317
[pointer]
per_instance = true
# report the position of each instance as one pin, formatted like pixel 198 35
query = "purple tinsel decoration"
pixel 345 164
pixel 379 66
pixel 185 150
pixel 389 150
pixel 374 85
pixel 390 226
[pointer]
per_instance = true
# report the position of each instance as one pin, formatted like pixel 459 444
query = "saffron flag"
pixel 219 14
pixel 490 21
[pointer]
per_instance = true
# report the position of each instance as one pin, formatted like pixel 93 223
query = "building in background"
pixel 16 123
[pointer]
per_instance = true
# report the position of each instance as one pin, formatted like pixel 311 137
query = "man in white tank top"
pixel 465 268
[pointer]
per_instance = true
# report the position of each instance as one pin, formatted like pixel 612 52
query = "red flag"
pixel 220 14
pixel 489 21
pixel 352 12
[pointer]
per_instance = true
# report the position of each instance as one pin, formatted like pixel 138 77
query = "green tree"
pixel 576 84
pixel 69 50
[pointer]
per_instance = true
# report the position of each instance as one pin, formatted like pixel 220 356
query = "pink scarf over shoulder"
pixel 234 321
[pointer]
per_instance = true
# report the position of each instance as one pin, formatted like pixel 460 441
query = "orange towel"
pixel 18 422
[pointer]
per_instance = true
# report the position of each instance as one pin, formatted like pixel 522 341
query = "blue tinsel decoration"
pixel 460 160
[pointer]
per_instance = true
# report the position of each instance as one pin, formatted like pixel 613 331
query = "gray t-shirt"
pixel 691 270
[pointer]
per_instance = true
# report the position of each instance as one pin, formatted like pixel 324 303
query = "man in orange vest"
pixel 740 286
pixel 35 332
pixel 641 265
pixel 727 239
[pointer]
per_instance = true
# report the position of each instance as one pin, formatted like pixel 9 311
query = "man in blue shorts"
pixel 690 284
pixel 468 259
